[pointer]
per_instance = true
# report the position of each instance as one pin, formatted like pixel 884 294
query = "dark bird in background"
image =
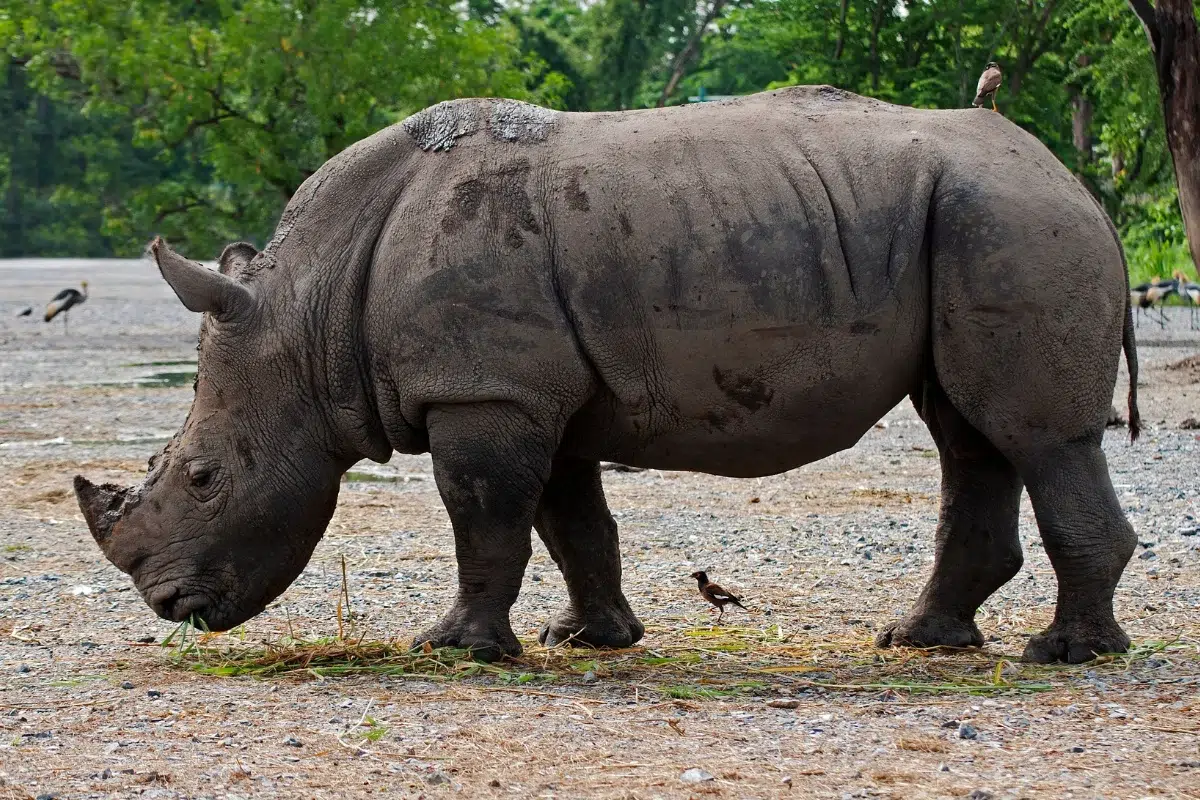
pixel 1190 292
pixel 989 82
pixel 64 301
pixel 1147 295
pixel 715 594
pixel 25 312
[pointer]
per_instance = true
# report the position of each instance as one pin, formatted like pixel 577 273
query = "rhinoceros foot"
pixel 614 626
pixel 1076 642
pixel 930 630
pixel 488 638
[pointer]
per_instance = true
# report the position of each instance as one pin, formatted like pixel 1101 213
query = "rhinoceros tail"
pixel 1129 345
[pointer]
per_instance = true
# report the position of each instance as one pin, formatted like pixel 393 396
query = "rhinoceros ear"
pixel 235 257
pixel 200 288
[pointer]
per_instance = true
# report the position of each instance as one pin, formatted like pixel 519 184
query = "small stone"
pixel 943 768
pixel 950 723
pixel 536 577
pixel 292 741
pixel 1076 749
pixel 589 677
pixel 979 794
pixel 695 775
pixel 784 702
pixel 153 693
pixel 147 640
pixel 1146 555
pixel 437 778
pixel 24 668
pixel 46 796
pixel 967 731
pixel 106 774
pixel 495 784
pixel 786 780
pixel 126 685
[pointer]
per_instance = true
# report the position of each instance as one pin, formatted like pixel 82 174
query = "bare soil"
pixel 789 699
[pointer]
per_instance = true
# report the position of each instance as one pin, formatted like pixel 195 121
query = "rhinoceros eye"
pixel 201 475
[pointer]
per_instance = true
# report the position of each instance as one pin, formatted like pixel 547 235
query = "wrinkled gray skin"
pixel 736 288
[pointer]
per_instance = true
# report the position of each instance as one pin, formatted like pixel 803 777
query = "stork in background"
pixel 64 301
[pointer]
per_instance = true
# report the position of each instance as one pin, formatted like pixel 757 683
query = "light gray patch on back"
pixel 514 121
pixel 437 127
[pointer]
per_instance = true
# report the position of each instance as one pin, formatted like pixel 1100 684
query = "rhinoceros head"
pixel 231 509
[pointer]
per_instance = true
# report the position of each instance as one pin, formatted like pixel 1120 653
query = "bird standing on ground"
pixel 989 82
pixel 1190 293
pixel 64 301
pixel 1154 292
pixel 715 594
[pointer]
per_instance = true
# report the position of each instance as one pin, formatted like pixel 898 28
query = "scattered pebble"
pixel 967 731
pixel 589 677
pixel 696 775
pixel 126 684
pixel 153 693
pixel 292 741
pixel 437 779
pixel 784 702
pixel 24 668
pixel 979 794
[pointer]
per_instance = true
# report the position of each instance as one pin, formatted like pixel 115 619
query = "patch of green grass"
pixel 375 730
pixel 182 363
pixel 368 477
pixel 16 548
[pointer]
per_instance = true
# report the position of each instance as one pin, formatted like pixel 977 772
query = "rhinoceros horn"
pixel 200 288
pixel 102 507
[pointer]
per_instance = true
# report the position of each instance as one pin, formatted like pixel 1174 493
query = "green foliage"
pixel 234 103
pixel 198 120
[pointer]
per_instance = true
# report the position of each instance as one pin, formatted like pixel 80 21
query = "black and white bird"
pixel 716 594
pixel 25 312
pixel 1152 293
pixel 1190 293
pixel 989 82
pixel 64 301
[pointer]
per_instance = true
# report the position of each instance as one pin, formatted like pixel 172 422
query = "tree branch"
pixel 685 55
pixel 1146 13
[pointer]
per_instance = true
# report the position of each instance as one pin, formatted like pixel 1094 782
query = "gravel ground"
pixel 825 555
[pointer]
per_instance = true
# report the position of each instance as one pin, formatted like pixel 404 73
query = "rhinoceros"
pixel 737 288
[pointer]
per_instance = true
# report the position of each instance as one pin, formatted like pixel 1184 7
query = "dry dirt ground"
pixel 790 699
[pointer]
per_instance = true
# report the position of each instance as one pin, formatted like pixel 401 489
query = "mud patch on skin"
pixel 507 203
pixel 514 121
pixel 438 127
pixel 747 391
pixel 577 199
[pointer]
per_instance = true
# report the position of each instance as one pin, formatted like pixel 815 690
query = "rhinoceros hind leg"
pixel 490 462
pixel 977 549
pixel 581 535
pixel 1089 542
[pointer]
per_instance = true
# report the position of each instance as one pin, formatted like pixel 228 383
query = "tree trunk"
pixel 1175 42
pixel 841 40
pixel 1081 121
pixel 679 65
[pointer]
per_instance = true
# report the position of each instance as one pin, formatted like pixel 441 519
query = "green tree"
pixel 249 97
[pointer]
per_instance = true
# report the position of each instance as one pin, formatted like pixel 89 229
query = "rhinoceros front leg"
pixel 490 462
pixel 581 535
pixel 977 547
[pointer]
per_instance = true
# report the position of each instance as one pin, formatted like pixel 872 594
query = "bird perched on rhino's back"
pixel 64 301
pixel 716 594
pixel 989 82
